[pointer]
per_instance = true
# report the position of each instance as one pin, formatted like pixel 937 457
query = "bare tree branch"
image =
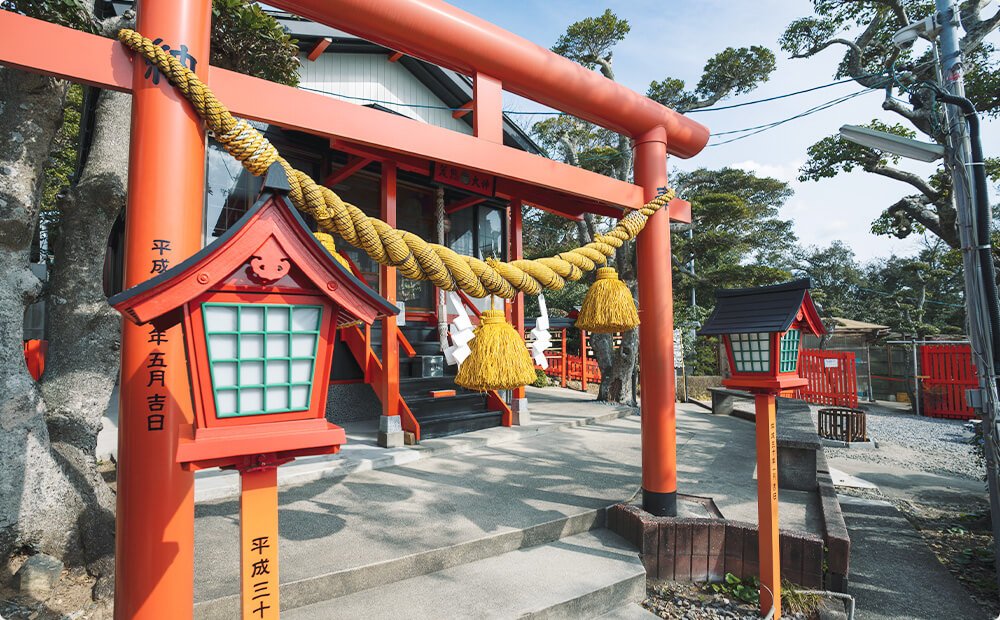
pixel 977 31
pixel 906 177
pixel 682 267
pixel 910 209
pixel 919 118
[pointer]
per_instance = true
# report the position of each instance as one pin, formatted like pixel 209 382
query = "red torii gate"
pixel 154 559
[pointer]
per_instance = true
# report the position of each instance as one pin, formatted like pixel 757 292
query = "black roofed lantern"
pixel 762 328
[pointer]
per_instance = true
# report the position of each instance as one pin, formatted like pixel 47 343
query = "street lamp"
pixel 762 329
pixel 898 145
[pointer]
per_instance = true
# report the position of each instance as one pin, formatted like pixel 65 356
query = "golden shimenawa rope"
pixel 415 258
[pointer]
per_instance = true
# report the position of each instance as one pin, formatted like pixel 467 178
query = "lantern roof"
pixel 272 229
pixel 763 309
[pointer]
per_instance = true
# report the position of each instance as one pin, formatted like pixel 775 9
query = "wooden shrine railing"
pixel 833 378
pixel 947 372
pixel 574 368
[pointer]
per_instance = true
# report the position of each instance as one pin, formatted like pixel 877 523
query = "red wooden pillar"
pixel 767 505
pixel 519 406
pixel 583 360
pixel 565 361
pixel 390 427
pixel 656 344
pixel 154 545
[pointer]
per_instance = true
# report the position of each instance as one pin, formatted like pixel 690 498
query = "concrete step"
pixel 582 576
pixel 361 577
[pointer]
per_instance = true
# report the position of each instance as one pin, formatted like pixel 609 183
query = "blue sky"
pixel 676 38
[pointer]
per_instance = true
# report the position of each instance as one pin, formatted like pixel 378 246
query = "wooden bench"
pixel 798 441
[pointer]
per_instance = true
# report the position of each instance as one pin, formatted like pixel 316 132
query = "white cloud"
pixel 787 172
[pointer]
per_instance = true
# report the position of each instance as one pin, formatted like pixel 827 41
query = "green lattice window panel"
pixel 261 356
pixel 751 352
pixel 789 351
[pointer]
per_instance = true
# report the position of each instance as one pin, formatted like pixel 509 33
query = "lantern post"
pixel 762 330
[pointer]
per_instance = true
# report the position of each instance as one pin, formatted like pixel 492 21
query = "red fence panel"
pixel 947 371
pixel 833 378
pixel 574 369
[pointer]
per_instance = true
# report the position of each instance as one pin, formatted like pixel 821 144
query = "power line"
pixel 762 128
pixel 792 94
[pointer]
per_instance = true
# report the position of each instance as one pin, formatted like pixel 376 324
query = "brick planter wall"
pixel 679 549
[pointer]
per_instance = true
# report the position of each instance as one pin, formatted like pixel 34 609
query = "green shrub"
pixel 540 379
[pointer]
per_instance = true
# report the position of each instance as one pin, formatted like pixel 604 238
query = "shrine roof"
pixel 763 309
pixel 271 219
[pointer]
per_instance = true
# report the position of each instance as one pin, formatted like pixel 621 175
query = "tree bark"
pixel 39 507
pixel 84 331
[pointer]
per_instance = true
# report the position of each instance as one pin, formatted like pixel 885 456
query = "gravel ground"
pixel 933 445
pixel 686 601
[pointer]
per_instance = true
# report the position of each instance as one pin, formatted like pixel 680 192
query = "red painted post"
pixel 390 426
pixel 487 108
pixel 259 592
pixel 583 360
pixel 767 505
pixel 656 345
pixel 516 218
pixel 154 545
pixel 565 361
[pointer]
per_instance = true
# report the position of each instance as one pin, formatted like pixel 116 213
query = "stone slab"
pixel 584 576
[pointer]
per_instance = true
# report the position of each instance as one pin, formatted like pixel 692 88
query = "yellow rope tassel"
pixel 608 307
pixel 499 359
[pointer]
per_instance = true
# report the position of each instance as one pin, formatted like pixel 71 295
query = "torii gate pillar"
pixel 154 546
pixel 656 349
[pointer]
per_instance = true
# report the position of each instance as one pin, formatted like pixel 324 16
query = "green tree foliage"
pixel 917 295
pixel 730 72
pixel 836 277
pixel 72 13
pixel 247 40
pixel 736 234
pixel 864 29
pixel 925 292
pixel 736 239
pixel 589 41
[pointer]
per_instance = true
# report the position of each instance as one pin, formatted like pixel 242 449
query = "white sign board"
pixel 830 363
pixel 678 348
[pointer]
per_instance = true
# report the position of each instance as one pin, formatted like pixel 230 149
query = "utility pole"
pixel 981 323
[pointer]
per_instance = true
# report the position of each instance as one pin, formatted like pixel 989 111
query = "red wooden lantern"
pixel 762 329
pixel 259 307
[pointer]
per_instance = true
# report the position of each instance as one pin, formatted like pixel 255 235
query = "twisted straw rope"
pixel 415 258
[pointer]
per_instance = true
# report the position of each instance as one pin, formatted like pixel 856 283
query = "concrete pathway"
pixel 918 486
pixel 489 489
pixel 894 574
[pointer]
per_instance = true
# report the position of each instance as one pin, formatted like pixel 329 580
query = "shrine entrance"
pixel 154 559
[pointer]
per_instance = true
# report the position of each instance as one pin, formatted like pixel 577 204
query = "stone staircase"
pixel 508 531
pixel 426 372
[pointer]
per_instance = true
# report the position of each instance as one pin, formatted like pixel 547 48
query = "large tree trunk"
pixel 84 331
pixel 39 507
pixel 52 497
pixel 618 364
